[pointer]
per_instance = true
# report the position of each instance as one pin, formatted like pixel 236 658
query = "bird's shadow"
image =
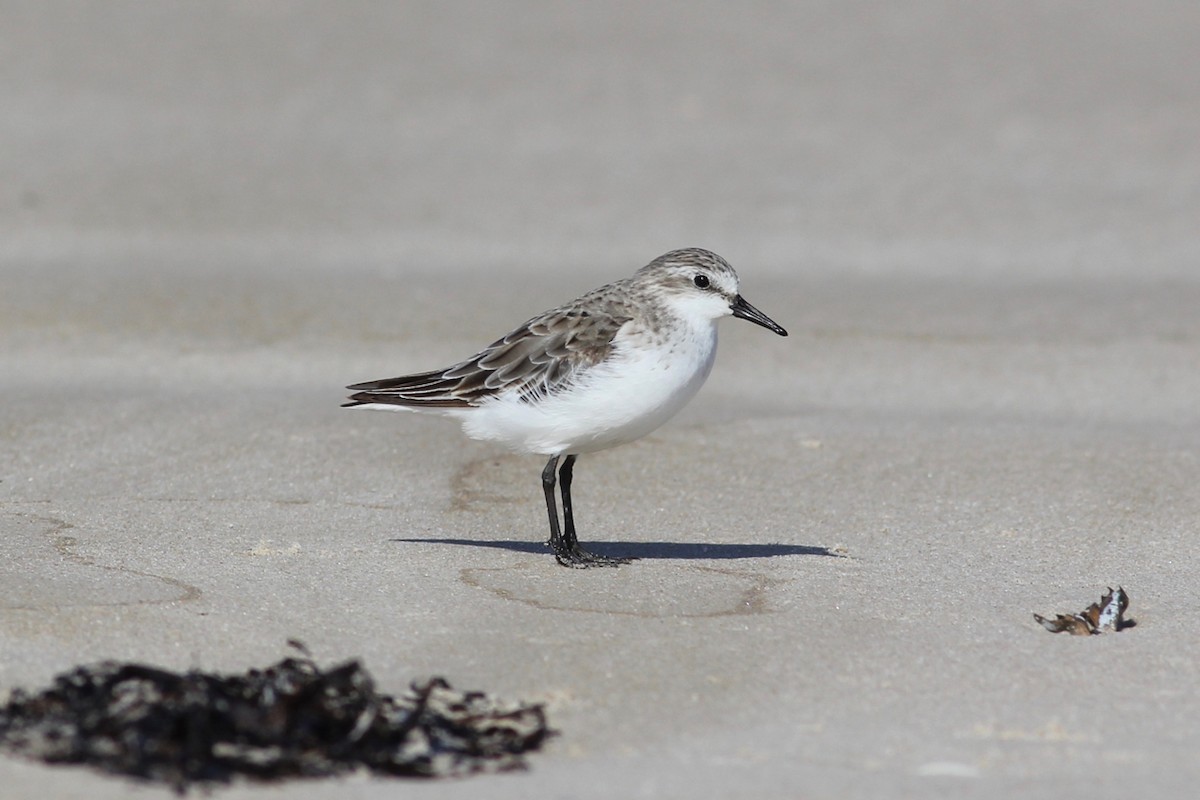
pixel 666 550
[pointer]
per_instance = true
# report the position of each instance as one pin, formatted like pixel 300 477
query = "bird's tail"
pixel 424 390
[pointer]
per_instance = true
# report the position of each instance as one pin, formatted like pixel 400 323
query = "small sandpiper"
pixel 600 371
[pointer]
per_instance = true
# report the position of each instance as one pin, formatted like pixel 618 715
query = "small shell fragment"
pixel 1106 616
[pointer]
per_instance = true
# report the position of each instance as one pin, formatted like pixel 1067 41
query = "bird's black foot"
pixel 576 557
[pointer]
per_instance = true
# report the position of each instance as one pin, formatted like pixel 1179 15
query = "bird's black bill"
pixel 744 310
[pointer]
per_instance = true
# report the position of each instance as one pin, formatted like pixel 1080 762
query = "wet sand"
pixel 977 225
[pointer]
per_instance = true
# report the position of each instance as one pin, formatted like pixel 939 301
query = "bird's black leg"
pixel 569 553
pixel 556 541
pixel 565 473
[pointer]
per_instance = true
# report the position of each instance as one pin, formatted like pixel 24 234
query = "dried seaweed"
pixel 289 720
pixel 1107 615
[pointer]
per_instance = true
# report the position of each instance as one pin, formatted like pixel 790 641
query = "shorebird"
pixel 600 371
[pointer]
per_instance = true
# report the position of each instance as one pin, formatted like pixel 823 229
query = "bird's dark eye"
pixel 701 281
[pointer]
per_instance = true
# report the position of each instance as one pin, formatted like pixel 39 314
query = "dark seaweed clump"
pixel 289 720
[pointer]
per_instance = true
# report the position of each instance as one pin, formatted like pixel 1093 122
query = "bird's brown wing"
pixel 538 358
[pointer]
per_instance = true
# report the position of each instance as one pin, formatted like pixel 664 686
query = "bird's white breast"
pixel 645 380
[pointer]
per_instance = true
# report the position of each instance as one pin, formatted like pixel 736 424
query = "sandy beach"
pixel 977 222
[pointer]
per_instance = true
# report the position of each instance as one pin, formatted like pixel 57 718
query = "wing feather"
pixel 541 357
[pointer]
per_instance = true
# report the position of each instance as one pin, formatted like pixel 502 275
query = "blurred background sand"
pixel 977 221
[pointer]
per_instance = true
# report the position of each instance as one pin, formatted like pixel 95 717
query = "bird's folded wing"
pixel 538 358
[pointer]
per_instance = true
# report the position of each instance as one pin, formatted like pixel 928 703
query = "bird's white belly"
pixel 622 399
